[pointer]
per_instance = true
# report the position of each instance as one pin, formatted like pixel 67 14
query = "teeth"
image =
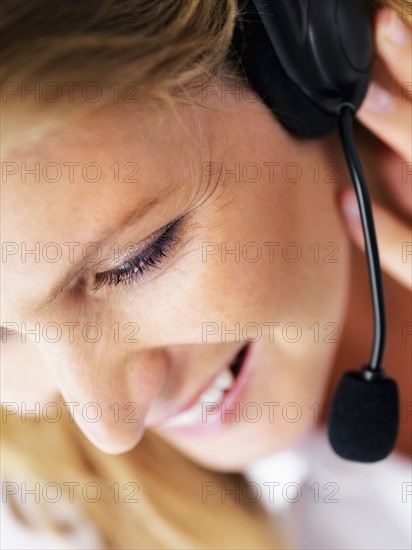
pixel 213 394
pixel 187 418
pixel 224 380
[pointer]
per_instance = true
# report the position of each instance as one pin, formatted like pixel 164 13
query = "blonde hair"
pixel 150 497
pixel 164 46
pixel 127 50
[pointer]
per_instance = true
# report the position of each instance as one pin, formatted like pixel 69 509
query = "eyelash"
pixel 136 269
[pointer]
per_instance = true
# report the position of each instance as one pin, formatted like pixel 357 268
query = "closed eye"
pixel 136 269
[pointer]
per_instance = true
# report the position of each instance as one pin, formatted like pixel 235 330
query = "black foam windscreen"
pixel 364 418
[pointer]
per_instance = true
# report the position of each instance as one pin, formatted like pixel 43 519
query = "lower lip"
pixel 226 412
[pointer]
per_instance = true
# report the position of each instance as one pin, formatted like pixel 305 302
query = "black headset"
pixel 310 61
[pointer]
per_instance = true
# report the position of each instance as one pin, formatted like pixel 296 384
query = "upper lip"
pixel 190 402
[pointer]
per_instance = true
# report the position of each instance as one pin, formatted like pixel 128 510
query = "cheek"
pixel 279 257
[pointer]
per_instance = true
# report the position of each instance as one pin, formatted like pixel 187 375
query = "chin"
pixel 240 450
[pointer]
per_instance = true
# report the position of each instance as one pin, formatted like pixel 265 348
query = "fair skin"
pixel 171 362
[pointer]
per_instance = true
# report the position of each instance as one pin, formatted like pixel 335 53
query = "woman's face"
pixel 137 316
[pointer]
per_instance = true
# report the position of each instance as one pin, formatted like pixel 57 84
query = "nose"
pixel 109 396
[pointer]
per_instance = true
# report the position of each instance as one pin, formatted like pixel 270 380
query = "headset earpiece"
pixel 306 58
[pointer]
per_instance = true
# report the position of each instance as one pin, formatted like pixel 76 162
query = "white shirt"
pixel 15 536
pixel 325 502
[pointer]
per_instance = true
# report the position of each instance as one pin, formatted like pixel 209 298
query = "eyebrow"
pixel 79 266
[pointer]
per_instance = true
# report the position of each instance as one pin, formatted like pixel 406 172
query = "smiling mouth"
pixel 222 387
